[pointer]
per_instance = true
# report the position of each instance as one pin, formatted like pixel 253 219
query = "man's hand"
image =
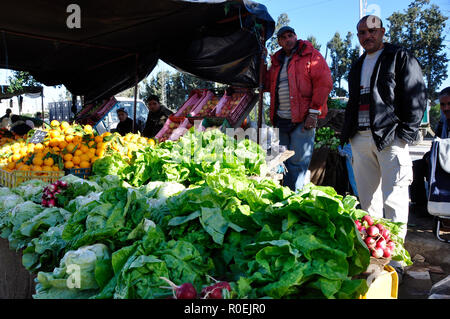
pixel 310 122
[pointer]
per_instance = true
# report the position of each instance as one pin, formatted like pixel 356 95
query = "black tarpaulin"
pixel 119 39
pixel 25 90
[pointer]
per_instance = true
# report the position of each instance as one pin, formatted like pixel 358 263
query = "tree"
pixel 341 55
pixel 177 86
pixel 420 29
pixel 314 42
pixel 19 79
pixel 272 44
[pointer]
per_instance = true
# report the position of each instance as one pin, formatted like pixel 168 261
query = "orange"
pixel 55 168
pixel 54 123
pixel 101 145
pixel 56 149
pixel 62 144
pixel 85 164
pixel 68 164
pixel 93 159
pixel 54 133
pixel 100 152
pixel 11 165
pixel 98 139
pixel 37 168
pixel 78 152
pixel 49 161
pixel 91 143
pixel 85 157
pixel 77 139
pixel 47 168
pixel 37 161
pixel 70 147
pixel 64 125
pixel 84 148
pixel 88 129
pixel 76 160
pixel 92 151
pixel 68 157
pixel 69 138
pixel 16 157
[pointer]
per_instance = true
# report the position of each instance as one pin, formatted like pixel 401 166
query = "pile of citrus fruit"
pixel 67 146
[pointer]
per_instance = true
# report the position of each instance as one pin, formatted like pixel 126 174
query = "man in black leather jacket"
pixel 387 100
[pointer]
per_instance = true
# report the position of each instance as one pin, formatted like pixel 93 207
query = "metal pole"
pixel 135 95
pixel 261 87
pixel 42 103
pixel 360 16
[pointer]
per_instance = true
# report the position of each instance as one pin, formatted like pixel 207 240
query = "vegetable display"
pixel 186 219
pixel 326 136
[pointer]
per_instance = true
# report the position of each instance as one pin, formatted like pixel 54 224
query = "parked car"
pixel 110 120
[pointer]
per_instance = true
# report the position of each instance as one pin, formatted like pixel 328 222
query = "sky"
pixel 323 18
pixel 320 18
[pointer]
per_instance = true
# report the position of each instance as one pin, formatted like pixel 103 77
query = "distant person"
pixel 299 81
pixel 421 167
pixel 5 120
pixel 126 124
pixel 39 115
pixel 387 100
pixel 18 126
pixel 157 116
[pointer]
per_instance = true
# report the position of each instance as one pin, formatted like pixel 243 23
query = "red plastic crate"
pixel 180 130
pixel 232 107
pixel 167 130
pixel 206 106
pixel 191 103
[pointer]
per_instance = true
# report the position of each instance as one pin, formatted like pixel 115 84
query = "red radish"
pixel 377 253
pixel 358 224
pixel 185 291
pixel 212 292
pixel 387 252
pixel 381 243
pixel 368 219
pixel 390 245
pixel 51 202
pixel 380 227
pixel 373 231
pixel 215 291
pixel 385 233
pixel 370 242
pixel 44 202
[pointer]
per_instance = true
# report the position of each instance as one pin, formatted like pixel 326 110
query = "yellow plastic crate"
pixel 385 286
pixel 15 178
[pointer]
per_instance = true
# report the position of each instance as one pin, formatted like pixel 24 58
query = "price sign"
pixel 38 137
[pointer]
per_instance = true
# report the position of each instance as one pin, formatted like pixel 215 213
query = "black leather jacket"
pixel 398 98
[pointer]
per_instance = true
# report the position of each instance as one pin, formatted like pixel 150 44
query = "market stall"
pixel 125 217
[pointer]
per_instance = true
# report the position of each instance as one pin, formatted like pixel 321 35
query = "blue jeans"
pixel 302 143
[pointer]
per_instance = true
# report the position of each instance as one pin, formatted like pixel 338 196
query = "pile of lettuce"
pixel 188 160
pixel 182 211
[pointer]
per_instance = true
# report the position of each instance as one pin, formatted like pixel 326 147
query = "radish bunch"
pixel 50 192
pixel 377 237
pixel 219 290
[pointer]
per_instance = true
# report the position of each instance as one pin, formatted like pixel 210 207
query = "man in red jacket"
pixel 299 81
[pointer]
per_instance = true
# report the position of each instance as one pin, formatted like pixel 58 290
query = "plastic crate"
pixel 385 285
pixel 15 178
pixel 180 130
pixel 211 101
pixel 195 97
pixel 167 130
pixel 80 172
pixel 241 102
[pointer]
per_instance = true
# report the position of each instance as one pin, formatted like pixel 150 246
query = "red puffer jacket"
pixel 309 81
